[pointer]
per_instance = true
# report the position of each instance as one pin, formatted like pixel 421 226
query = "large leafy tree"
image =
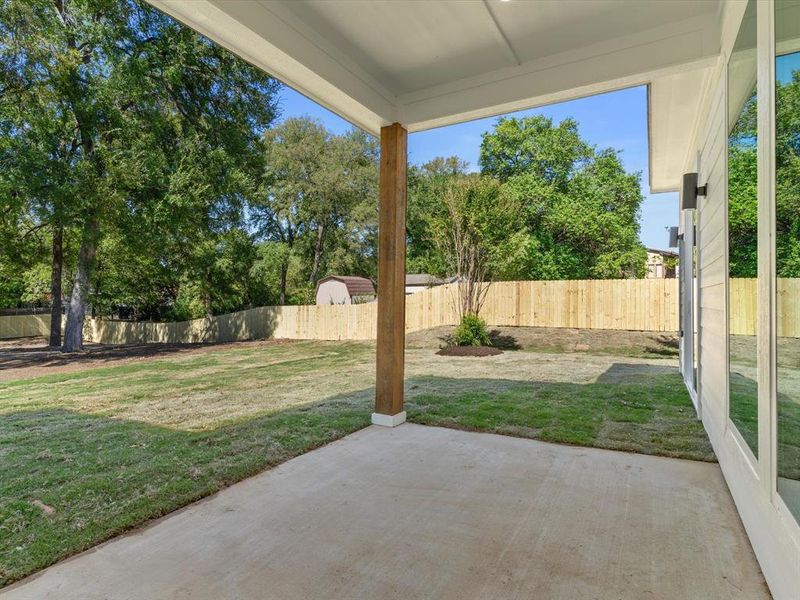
pixel 122 127
pixel 319 202
pixel 743 193
pixel 743 184
pixel 579 205
pixel 577 209
pixel 533 146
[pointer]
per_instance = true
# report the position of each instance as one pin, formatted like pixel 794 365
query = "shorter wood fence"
pixel 16 326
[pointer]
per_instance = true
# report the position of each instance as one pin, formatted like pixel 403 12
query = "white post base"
pixel 389 420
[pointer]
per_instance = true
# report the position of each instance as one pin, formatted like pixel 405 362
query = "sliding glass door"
pixel 742 213
pixel 787 251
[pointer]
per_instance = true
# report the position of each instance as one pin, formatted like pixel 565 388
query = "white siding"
pixel 712 264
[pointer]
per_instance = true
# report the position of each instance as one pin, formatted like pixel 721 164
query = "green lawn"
pixel 89 454
pixel 645 413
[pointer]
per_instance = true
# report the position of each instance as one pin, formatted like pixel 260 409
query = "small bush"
pixel 471 332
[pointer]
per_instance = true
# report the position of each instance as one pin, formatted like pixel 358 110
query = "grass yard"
pixel 90 452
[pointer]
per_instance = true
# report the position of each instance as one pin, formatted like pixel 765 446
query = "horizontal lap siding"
pixel 712 266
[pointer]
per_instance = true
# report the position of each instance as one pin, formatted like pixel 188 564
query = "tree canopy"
pixel 135 139
pixel 147 169
pixel 787 175
pixel 578 209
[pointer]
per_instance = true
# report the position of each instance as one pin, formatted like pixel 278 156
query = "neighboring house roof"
pixel 661 252
pixel 356 286
pixel 425 279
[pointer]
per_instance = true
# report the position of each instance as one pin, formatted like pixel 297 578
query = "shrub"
pixel 471 332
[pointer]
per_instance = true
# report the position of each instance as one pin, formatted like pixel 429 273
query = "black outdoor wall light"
pixel 690 191
pixel 674 236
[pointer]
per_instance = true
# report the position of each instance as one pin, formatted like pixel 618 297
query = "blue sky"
pixel 614 120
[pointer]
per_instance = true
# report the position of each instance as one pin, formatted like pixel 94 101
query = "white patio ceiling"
pixel 431 63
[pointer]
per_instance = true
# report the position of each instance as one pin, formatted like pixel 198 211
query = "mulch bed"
pixel 469 351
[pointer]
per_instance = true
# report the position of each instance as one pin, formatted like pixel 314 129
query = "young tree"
pixel 477 233
pixel 426 185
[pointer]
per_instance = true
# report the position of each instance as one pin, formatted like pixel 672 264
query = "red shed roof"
pixel 356 286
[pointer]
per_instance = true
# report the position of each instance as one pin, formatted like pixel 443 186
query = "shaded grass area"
pixel 76 468
pixel 658 346
pixel 101 476
pixel 645 413
pixel 85 455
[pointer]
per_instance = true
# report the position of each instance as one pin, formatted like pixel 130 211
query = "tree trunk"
pixel 312 278
pixel 284 270
pixel 55 286
pixel 289 241
pixel 73 333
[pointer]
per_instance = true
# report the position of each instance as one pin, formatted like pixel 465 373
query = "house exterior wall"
pixel 774 534
pixel 655 265
pixel 657 268
pixel 333 292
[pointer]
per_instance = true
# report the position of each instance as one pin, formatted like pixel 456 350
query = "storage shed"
pixel 345 289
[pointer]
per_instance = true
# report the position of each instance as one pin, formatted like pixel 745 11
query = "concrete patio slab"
pixel 424 512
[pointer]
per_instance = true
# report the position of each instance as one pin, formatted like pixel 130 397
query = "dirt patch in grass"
pixel 30 357
pixel 469 351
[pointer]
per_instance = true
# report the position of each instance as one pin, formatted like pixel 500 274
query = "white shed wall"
pixel 333 292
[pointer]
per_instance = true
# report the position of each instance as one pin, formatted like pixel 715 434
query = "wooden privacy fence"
pixel 635 304
pixel 638 304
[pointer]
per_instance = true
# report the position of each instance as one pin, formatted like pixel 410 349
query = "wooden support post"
pixel 391 278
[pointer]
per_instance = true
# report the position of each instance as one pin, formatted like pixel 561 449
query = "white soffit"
pixel 427 64
pixel 674 106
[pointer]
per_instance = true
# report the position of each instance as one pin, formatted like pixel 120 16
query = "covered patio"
pixel 392 68
pixel 407 511
pixel 426 512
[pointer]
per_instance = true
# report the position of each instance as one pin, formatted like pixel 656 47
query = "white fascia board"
pixel 277 44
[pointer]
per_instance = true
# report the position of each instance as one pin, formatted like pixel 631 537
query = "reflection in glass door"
pixel 743 232
pixel 787 249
